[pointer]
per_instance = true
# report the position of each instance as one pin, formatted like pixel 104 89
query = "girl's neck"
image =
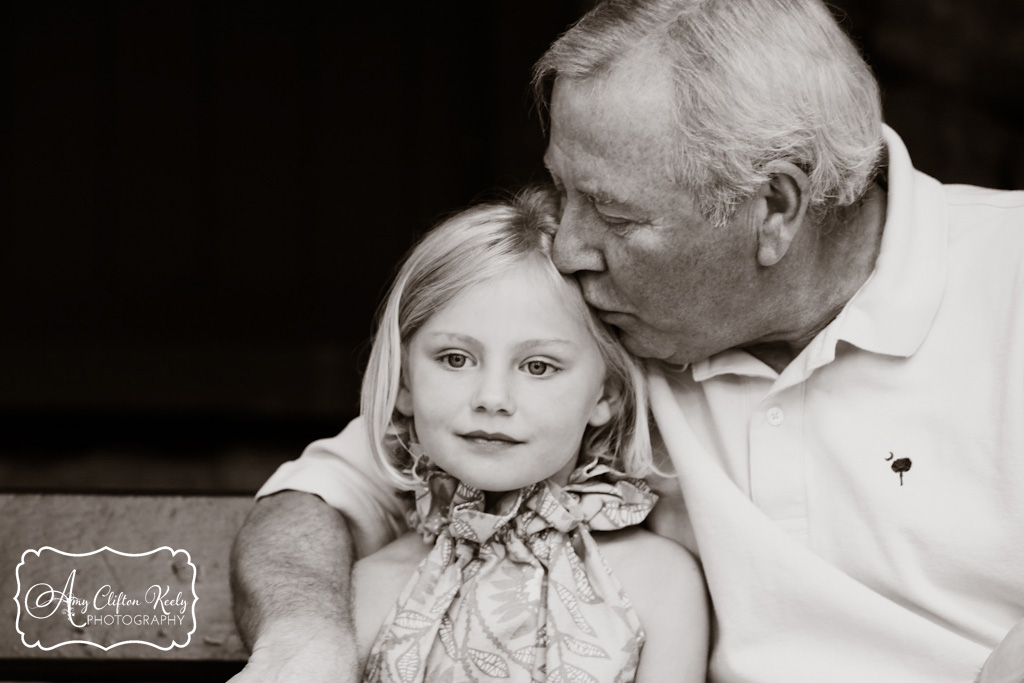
pixel 492 499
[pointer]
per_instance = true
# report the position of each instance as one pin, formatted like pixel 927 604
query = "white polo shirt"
pixel 860 516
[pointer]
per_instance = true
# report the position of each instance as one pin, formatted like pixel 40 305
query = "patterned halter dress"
pixel 517 595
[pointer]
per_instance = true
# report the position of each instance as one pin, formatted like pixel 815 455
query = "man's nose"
pixel 494 393
pixel 577 245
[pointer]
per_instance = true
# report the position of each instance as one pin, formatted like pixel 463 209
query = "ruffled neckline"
pixel 519 592
pixel 596 497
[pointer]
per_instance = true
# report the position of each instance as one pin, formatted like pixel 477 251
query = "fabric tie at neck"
pixel 519 592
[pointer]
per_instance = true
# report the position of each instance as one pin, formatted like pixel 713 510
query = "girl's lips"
pixel 482 436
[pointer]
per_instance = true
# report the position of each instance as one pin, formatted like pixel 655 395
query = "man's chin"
pixel 657 348
pixel 643 347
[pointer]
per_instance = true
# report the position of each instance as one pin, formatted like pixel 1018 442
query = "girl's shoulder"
pixel 377 581
pixel 386 571
pixel 661 578
pixel 406 549
pixel 665 584
pixel 637 556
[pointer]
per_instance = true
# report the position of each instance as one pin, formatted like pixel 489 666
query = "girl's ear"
pixel 404 402
pixel 606 406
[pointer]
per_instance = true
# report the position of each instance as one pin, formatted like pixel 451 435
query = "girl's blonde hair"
pixel 465 250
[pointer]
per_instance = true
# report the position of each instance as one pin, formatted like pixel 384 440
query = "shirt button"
pixel 775 416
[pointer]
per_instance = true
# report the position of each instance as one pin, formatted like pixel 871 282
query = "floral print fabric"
pixel 521 594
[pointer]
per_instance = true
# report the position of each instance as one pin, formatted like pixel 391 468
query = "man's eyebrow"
pixel 601 197
pixel 596 195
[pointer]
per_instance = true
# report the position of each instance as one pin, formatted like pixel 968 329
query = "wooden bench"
pixel 205 526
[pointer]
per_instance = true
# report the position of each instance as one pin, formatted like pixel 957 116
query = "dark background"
pixel 204 202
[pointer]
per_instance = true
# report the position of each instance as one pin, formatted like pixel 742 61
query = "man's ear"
pixel 404 402
pixel 784 197
pixel 606 405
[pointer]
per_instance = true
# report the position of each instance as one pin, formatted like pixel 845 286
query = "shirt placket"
pixel 776 460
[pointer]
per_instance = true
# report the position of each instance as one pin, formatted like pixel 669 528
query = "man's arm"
pixel 290 569
pixel 292 560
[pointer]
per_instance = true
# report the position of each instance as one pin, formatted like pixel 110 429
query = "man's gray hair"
pixel 755 81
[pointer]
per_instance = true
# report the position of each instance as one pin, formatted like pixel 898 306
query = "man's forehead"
pixel 613 106
pixel 616 124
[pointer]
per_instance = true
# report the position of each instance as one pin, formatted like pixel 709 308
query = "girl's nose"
pixel 494 394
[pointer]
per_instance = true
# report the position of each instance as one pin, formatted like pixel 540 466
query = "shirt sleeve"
pixel 670 518
pixel 342 472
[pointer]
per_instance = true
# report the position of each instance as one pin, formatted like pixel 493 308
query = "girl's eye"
pixel 454 360
pixel 539 368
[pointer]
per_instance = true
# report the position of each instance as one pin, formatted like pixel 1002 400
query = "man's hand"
pixel 325 653
pixel 1006 663
pixel 291 565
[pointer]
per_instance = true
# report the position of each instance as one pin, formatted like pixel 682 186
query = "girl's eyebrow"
pixel 453 337
pixel 534 344
pixel 524 346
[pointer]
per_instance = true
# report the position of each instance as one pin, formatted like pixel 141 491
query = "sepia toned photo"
pixel 568 341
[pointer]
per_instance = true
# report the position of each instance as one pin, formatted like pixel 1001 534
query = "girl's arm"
pixel 666 585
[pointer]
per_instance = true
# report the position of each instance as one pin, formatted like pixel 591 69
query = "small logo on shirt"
pixel 900 465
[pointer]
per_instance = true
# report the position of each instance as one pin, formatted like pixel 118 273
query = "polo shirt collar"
pixel 894 309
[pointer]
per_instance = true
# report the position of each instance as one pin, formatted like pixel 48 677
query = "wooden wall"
pixel 204 201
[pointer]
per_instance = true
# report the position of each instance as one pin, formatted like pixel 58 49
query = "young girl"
pixel 519 422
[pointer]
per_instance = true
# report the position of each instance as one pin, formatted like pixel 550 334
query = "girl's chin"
pixel 497 487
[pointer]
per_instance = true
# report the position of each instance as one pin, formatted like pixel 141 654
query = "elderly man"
pixel 839 357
